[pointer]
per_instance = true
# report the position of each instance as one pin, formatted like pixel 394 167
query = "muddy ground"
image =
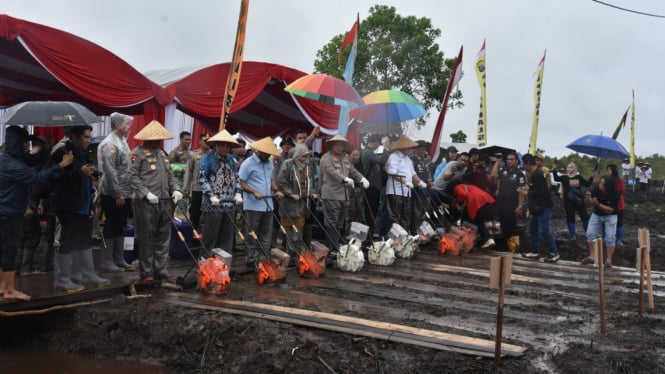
pixel 184 340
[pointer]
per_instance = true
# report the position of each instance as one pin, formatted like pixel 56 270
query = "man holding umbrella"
pixel 155 188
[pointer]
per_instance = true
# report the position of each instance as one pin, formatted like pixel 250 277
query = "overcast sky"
pixel 595 54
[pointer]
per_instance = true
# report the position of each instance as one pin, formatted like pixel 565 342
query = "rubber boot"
pixel 86 266
pixel 63 272
pixel 513 243
pixel 108 256
pixel 571 230
pixel 119 255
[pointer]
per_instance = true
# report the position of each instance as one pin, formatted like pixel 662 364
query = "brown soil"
pixel 195 341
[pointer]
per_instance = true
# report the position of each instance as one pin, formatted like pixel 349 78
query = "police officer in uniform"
pixel 191 182
pixel 510 202
pixel 113 159
pixel 182 153
pixel 155 190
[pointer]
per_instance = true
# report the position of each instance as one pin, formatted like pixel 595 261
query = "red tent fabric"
pixel 38 62
pixel 42 63
pixel 261 107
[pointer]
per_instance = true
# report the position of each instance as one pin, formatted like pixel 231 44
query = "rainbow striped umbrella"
pixel 388 106
pixel 327 89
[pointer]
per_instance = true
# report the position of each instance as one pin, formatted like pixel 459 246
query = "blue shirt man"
pixel 256 181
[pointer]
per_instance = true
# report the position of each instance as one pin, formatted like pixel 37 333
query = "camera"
pixel 498 155
pixel 97 174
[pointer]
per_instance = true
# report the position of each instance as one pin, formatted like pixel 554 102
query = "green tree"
pixel 394 52
pixel 458 137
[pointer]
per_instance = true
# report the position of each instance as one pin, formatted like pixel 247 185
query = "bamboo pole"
pixel 598 244
pixel 499 315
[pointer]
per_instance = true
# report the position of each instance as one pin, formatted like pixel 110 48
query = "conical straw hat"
pixel 224 137
pixel 339 138
pixel 153 131
pixel 404 143
pixel 265 145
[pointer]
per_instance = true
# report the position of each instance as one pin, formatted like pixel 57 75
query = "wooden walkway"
pixel 430 300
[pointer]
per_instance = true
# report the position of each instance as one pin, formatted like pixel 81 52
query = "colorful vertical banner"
pixel 343 121
pixel 632 133
pixel 536 113
pixel 236 65
pixel 481 139
pixel 455 77
pixel 621 125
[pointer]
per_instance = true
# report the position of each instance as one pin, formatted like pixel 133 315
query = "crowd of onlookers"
pixel 232 187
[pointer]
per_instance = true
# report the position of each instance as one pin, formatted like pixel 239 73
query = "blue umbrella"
pixel 599 146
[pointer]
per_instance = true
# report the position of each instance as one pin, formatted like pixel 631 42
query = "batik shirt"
pixel 218 177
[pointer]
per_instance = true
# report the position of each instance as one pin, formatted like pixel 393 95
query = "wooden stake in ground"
pixel 644 265
pixel 598 248
pixel 500 274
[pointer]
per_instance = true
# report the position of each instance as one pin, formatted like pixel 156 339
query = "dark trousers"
pixel 508 219
pixel 76 231
pixel 372 200
pixel 195 209
pixel 572 208
pixel 116 217
pixel 11 228
pixel 399 210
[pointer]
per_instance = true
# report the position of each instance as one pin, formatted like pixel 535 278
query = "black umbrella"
pixel 494 149
pixel 48 113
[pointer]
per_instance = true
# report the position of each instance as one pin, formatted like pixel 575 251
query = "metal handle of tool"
pixel 282 229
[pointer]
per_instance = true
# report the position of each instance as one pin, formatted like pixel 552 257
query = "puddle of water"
pixel 28 361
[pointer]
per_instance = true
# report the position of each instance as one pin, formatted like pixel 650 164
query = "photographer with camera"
pixel 114 161
pixel 72 202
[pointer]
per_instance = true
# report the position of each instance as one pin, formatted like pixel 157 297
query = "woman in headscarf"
pixel 296 181
pixel 573 196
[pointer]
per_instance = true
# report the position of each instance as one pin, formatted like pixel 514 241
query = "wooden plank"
pixel 454 340
pixel 352 330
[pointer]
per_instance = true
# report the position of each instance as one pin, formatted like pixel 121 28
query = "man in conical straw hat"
pixel 402 178
pixel 155 190
pixel 218 177
pixel 258 185
pixel 337 177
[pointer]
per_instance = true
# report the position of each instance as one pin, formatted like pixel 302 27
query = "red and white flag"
pixel 455 77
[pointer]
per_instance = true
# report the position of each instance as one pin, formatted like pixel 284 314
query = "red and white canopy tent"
pixel 38 62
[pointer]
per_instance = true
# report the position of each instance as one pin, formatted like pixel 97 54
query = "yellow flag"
pixel 482 115
pixel 537 92
pixel 236 65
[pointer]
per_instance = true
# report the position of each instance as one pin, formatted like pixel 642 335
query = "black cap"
pixel 374 138
pixel 287 140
